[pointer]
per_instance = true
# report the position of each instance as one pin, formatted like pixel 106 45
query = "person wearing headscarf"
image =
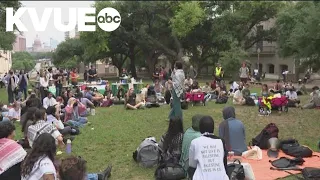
pixel 190 134
pixel 177 81
pixel 11 153
pixel 232 131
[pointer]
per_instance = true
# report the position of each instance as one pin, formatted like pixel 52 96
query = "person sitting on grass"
pixel 97 97
pixel 75 168
pixel 292 96
pixel 190 134
pixel 53 117
pixel 49 100
pixel 39 162
pixel 131 100
pixel 315 99
pixel 188 83
pixel 11 153
pixel 233 87
pixel 28 119
pixel 40 126
pixel 195 87
pixel 264 91
pixel 73 111
pixel 277 87
pixel 232 131
pixel 86 102
pixel 13 114
pixel 214 148
pixel 301 90
pixel 238 98
pixel 171 141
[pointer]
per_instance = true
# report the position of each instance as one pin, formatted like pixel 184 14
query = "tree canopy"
pixel 22 61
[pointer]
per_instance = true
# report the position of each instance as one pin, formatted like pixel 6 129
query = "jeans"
pixel 10 95
pixel 24 91
pixel 78 123
pixel 92 176
pixel 4 115
pixel 58 90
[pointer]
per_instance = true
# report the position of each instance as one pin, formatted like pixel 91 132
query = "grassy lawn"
pixel 115 133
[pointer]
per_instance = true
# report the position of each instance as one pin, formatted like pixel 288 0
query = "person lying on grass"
pixel 75 168
pixel 131 100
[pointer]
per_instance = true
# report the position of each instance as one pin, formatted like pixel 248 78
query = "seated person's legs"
pixel 129 106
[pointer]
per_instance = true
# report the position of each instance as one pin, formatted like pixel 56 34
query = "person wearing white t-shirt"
pixel 49 101
pixel 292 96
pixel 238 98
pixel 207 154
pixel 13 114
pixel 39 162
pixel 234 87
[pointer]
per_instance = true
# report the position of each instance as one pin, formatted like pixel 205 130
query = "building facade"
pixel 266 55
pixel 5 61
pixel 20 44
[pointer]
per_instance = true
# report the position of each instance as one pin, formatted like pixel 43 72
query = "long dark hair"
pixel 175 128
pixel 29 117
pixel 44 145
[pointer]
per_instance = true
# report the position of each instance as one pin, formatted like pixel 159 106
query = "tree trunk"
pixel 132 61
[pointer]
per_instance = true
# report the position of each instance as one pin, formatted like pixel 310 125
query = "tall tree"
pixel 22 61
pixel 7 38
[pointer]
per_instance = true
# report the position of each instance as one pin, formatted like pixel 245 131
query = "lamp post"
pixel 258 51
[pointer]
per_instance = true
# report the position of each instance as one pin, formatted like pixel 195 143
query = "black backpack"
pixel 285 162
pixel 169 171
pixel 261 140
pixel 250 101
pixel 235 171
pixel 291 147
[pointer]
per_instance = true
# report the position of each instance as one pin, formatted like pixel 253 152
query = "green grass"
pixel 117 133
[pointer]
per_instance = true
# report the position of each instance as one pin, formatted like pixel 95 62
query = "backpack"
pixel 250 101
pixel 285 162
pixel 291 147
pixel 169 171
pixel 235 171
pixel 261 140
pixel 148 153
pixel 222 100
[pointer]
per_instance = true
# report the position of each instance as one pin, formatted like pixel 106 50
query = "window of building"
pixel 271 68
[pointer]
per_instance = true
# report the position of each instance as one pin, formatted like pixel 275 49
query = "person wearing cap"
pixel 49 101
pixel 190 134
pixel 207 154
pixel 233 132
pixel 292 96
pixel 315 99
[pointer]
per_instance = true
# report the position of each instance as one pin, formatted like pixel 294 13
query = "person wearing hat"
pixel 315 99
pixel 190 134
pixel 232 131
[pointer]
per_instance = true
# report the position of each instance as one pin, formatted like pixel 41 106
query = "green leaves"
pixel 187 17
pixel 22 60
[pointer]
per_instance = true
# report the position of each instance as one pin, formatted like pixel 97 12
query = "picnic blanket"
pixel 261 168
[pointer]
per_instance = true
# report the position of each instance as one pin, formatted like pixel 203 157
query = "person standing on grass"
pixel 44 84
pixel 11 81
pixel 218 72
pixel 74 77
pixel 244 73
pixel 23 83
pixel 92 74
pixel 177 82
pixel 192 73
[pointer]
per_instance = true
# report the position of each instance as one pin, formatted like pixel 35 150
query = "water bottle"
pixel 68 148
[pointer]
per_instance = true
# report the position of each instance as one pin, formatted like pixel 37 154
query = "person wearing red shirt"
pixel 74 77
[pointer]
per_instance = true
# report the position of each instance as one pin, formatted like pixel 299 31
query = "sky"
pixel 50 31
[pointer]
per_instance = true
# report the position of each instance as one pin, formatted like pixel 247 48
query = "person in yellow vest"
pixel 218 72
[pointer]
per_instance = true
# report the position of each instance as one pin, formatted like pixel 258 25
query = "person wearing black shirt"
pixel 85 75
pixel 131 100
pixel 156 74
pixel 92 74
pixel 124 73
pixel 58 80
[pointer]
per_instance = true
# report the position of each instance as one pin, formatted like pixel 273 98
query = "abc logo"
pixel 109 19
